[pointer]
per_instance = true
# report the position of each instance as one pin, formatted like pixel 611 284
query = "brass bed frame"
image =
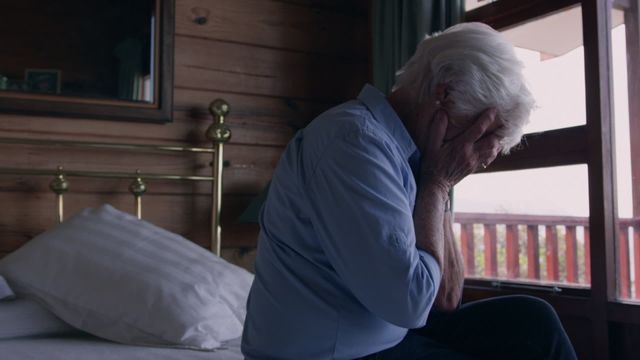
pixel 218 133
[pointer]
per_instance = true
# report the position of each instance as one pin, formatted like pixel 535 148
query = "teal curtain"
pixel 399 25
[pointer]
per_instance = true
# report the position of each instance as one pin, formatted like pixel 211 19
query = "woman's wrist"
pixel 439 188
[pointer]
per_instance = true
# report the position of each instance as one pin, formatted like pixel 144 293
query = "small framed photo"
pixel 43 80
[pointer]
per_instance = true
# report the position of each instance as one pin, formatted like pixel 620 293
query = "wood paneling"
pixel 278 64
pixel 255 120
pixel 186 214
pixel 255 70
pixel 581 340
pixel 247 171
pixel 354 7
pixel 275 25
pixel 624 341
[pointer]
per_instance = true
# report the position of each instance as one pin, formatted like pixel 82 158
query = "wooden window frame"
pixel 591 144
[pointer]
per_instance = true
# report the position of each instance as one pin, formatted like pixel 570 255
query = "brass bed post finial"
pixel 59 185
pixel 219 133
pixel 138 188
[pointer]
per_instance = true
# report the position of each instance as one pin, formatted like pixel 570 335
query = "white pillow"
pixel 108 273
pixel 24 317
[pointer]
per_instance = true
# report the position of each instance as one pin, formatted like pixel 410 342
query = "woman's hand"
pixel 444 164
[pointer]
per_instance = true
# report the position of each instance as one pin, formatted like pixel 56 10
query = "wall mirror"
pixel 107 59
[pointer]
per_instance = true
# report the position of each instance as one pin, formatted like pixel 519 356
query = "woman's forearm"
pixel 428 217
pixel 434 234
pixel 451 286
pixel 444 164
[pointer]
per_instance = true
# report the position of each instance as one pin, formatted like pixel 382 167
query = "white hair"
pixel 480 69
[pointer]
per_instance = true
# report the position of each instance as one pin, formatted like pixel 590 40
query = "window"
pixel 532 225
pixel 581 59
pixel 527 225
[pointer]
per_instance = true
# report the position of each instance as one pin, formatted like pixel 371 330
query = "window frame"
pixel 591 144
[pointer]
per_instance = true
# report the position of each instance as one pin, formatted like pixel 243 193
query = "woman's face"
pixel 458 125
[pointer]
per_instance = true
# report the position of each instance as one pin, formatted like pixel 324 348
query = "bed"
pixel 83 347
pixel 105 274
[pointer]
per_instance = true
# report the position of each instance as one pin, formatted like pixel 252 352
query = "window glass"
pixel 551 51
pixel 526 225
pixel 474 4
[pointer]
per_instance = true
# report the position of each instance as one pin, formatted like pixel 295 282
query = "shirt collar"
pixel 382 111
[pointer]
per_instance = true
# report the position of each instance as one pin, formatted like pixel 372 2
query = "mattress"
pixel 82 347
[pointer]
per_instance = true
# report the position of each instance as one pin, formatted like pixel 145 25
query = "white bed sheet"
pixel 88 347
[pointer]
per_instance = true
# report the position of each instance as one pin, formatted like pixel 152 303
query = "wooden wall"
pixel 278 64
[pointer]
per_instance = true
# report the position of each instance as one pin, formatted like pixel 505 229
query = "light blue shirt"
pixel 338 274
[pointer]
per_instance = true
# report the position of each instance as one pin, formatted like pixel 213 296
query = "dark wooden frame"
pixel 590 144
pixel 632 26
pixel 160 111
pixel 504 14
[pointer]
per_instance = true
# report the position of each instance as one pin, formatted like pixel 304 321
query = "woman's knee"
pixel 533 305
pixel 533 311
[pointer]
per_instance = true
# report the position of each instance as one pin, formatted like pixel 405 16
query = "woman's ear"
pixel 441 93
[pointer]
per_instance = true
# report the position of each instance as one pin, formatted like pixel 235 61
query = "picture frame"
pixel 66 105
pixel 43 80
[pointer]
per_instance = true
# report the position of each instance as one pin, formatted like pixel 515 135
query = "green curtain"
pixel 399 25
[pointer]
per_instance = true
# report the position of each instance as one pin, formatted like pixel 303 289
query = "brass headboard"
pixel 218 133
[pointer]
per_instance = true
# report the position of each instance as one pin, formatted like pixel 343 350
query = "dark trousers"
pixel 510 327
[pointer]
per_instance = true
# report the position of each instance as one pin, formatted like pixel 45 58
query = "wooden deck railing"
pixel 543 248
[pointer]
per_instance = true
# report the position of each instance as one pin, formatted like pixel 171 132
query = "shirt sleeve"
pixel 362 215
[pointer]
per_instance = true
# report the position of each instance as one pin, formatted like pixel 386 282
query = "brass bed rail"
pixel 218 133
pixel 109 146
pixel 102 174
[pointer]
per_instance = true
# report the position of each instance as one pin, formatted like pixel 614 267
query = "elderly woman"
pixel 353 252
